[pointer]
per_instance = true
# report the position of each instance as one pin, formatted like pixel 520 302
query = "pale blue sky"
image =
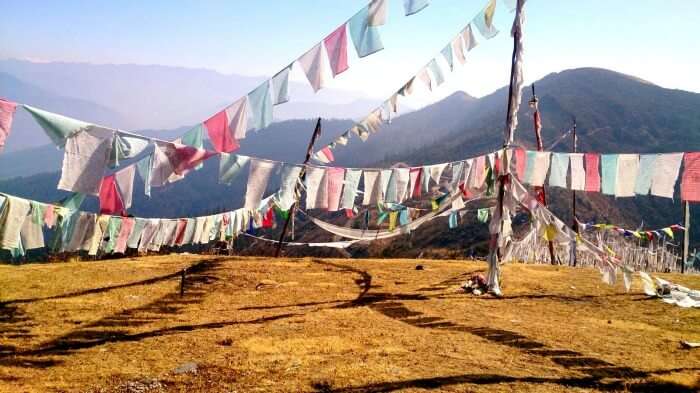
pixel 652 39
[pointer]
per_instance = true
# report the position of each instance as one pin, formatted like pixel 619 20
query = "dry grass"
pixel 255 324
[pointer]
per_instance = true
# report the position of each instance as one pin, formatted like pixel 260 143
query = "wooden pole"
pixel 686 236
pixel 539 190
pixel 302 176
pixel 574 222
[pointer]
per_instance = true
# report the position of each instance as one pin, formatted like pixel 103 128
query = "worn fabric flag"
pixel 372 122
pixel 665 174
pixel 85 159
pixel 478 173
pixel 627 167
pixel 447 54
pixel 578 173
pixel 415 182
pixel 124 233
pixel 194 137
pixel 125 184
pixel 337 48
pixel 484 20
pixel 414 6
pixel 384 183
pixel 530 157
pixel 436 172
pixel 365 37
pixel 390 192
pixel 110 199
pixel 280 87
pixel 12 219
pixel 452 220
pixel 520 160
pixel 124 147
pixel 436 71
pixel 540 166
pixel 315 66
pixel 57 127
pixel 482 215
pixel 690 181
pixel 219 133
pixel 559 169
pixel 175 158
pixel 237 118
pixel 257 182
pixel 377 12
pixel 371 178
pixel 592 172
pixel 7 112
pixel 352 181
pixel 324 155
pixel 644 173
pixel 286 196
pixel 458 49
pixel 334 186
pixel 144 168
pixel 457 169
pixel 424 76
pixel 469 39
pixel 260 104
pixel 609 172
pixel 407 89
pixel 135 236
pixel 316 187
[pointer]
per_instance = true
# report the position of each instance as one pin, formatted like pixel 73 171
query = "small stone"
pixel 419 267
pixel 187 367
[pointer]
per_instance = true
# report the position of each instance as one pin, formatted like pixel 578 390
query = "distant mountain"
pixel 25 132
pixel 162 97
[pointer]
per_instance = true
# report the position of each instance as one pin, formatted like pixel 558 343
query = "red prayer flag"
pixel 184 157
pixel 269 219
pixel 110 198
pixel 334 186
pixel 337 48
pixel 592 172
pixel 220 134
pixel 7 111
pixel 690 183
pixel 520 163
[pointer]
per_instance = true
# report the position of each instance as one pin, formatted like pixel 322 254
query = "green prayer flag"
pixel 482 215
pixel 57 127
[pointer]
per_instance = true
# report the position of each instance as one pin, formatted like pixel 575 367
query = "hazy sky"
pixel 652 39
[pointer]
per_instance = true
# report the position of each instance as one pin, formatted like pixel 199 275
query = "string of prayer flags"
pixel 414 6
pixel 260 104
pixel 592 172
pixel 609 173
pixel 258 178
pixel 337 48
pixel 665 175
pixel 7 112
pixel 627 168
pixel 690 182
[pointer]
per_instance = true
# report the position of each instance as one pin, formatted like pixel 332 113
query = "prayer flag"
pixel 316 186
pixel 578 174
pixel 435 69
pixel 144 168
pixel 220 134
pixel 286 196
pixel 384 183
pixel 364 35
pixel 370 187
pixel 520 163
pixel 230 166
pixel 324 155
pixel 125 147
pixel 195 138
pixel 457 168
pixel 559 168
pixel 690 183
pixel 452 220
pixel 237 117
pixel 334 187
pixel 260 104
pixel 407 89
pixel 85 160
pixel 352 181
pixel 458 49
pixel 484 20
pixel 424 76
pixel 469 39
pixel 646 168
pixel 280 87
pixel 58 128
pixel 540 166
pixel 414 6
pixel 337 48
pixel 436 172
pixel 482 215
pixel 627 167
pixel 665 174
pixel 125 184
pixel 110 200
pixel 377 12
pixel 415 182
pixel 7 112
pixel 257 182
pixel 314 65
pixel 592 172
pixel 447 54
pixel 609 172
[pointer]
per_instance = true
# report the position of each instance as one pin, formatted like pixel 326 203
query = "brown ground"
pixel 334 326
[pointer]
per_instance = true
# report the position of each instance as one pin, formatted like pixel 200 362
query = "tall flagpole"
pixel 500 235
pixel 302 176
pixel 574 221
